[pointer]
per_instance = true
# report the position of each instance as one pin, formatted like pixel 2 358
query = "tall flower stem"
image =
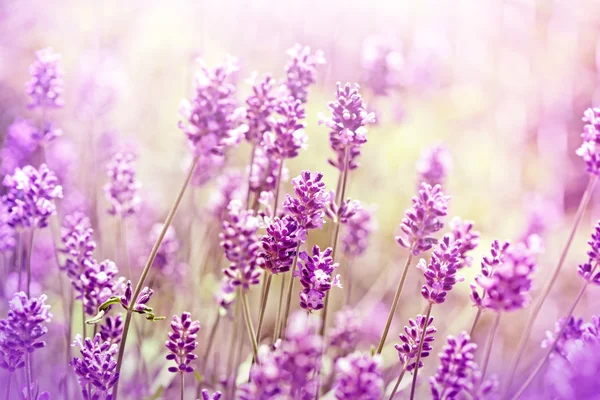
pixel 422 339
pixel 122 238
pixel 388 323
pixel 8 385
pixel 252 155
pixel 334 240
pixel 211 339
pixel 398 382
pixel 552 347
pixel 19 259
pixel 28 376
pixel 263 304
pixel 29 251
pixel 234 333
pixel 585 199
pixel 279 307
pixel 146 270
pixel 248 321
pixel 488 346
pixel 288 303
pixel 277 188
pixel 475 322
pixel 182 385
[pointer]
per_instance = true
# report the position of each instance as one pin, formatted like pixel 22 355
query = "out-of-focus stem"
pixel 475 321
pixel 276 201
pixel 29 251
pixel 388 323
pixel 248 321
pixel 552 347
pixel 422 339
pixel 263 304
pixel 288 304
pixel 19 259
pixel 398 382
pixel 8 385
pixel 123 245
pixel 488 346
pixel 348 282
pixel 585 199
pixel 250 174
pixel 211 339
pixel 182 384
pixel 146 270
pixel 278 318
pixel 28 376
pixel 234 332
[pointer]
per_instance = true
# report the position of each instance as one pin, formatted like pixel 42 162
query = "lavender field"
pixel 303 200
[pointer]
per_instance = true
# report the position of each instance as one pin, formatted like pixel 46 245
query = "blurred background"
pixel 501 84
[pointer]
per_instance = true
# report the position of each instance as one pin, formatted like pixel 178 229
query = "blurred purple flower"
pixel 434 165
pixel 345 211
pixel 469 240
pixel 345 333
pixel 358 377
pixel 30 196
pixel 316 277
pixel 207 396
pixel 423 219
pixel 591 138
pixel 19 144
pixel 279 244
pixel 7 232
pixel 225 296
pixel 230 185
pixel 411 338
pixel 78 245
pixel 96 369
pixel 96 284
pixel 358 231
pixel 47 134
pixel 308 207
pixel 301 71
pixel 440 273
pixel 182 342
pixel 112 329
pixel 264 172
pixel 206 169
pixel 267 378
pixel 572 332
pixel 122 187
pixel 167 258
pixel 46 84
pixel 141 301
pixel 577 376
pixel 287 136
pixel 381 66
pixel 212 118
pixel 260 105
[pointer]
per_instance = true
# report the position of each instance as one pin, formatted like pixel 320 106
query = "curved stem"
pixel 585 199
pixel 551 347
pixel 248 321
pixel 289 294
pixel 388 323
pixel 29 251
pixel 398 383
pixel 422 339
pixel 277 332
pixel 263 304
pixel 146 270
pixel 475 321
pixel 488 346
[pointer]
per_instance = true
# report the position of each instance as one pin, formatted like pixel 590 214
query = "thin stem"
pixel 30 250
pixel 334 240
pixel 8 385
pixel 19 259
pixel 253 154
pixel 349 282
pixel 553 346
pixel 585 199
pixel 388 323
pixel 475 321
pixel 211 339
pixel 278 318
pixel 146 270
pixel 234 332
pixel 181 384
pixel 263 304
pixel 289 294
pixel 28 376
pixel 422 339
pixel 83 324
pixel 238 360
pixel 488 346
pixel 277 188
pixel 248 321
pixel 123 245
pixel 398 382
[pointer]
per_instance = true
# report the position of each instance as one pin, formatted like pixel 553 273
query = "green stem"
pixel 388 323
pixel 398 382
pixel 277 332
pixel 211 339
pixel 488 346
pixel 234 332
pixel 146 270
pixel 475 321
pixel 29 261
pixel 263 303
pixel 585 199
pixel 276 204
pixel 289 294
pixel 248 321
pixel 422 339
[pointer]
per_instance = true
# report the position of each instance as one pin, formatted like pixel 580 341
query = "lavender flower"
pixel 167 257
pixel 344 335
pixel 260 107
pixel 21 331
pixel 316 277
pixel 46 84
pixel 19 144
pixel 122 187
pixel 206 169
pixel 576 378
pixel 207 396
pixel 573 331
pixel 301 70
pixel 279 244
pixel 211 118
pixel 434 165
pixel 240 244
pixel 347 124
pixel 267 378
pixel 30 196
pixel 182 342
pixel 112 329
pixel 440 273
pixel 230 186
pixel 423 220
pixel 287 136
pixel 586 270
pixel 591 138
pixel 47 134
pixel 309 205
pixel 78 244
pixel 265 170
pixel 358 377
pixel 7 232
pixel 96 284
pixel 96 369
pixel 225 296
pixel 140 303
pixel 469 240
pixel 456 365
pixel 410 339
pixel 381 65
pixel 344 212
pixel 591 330
pixel 359 228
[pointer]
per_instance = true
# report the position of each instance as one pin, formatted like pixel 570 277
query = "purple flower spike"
pixel 30 196
pixel 212 118
pixel 359 228
pixel 434 165
pixel 230 186
pixel 344 335
pixel 301 70
pixel 573 332
pixel 21 331
pixel 122 188
pixel 46 84
pixel 440 273
pixel 576 378
pixel 7 232
pixel 279 244
pixel 268 379
pixel 97 367
pixel 342 213
pixel 347 124
pixel 143 298
pixel 182 342
pixel 309 206
pixel 225 296
pixel 264 172
pixel 586 271
pixel 78 245
pixel 260 107
pixel 423 220
pixel 112 329
pixel 96 284
pixel 316 276
pixel 358 377
pixel 408 348
pixel 382 66
pixel 287 136
pixel 19 144
pixel 591 139
pixel 469 240
pixel 207 396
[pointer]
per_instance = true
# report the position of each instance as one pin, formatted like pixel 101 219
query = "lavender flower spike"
pixel 586 270
pixel 469 239
pixel 345 333
pixel 96 369
pixel 359 228
pixel 410 339
pixel 279 244
pixel 122 188
pixel 434 165
pixel 260 107
pixel 182 342
pixel 46 84
pixel 207 396
pixel 440 273
pixel 423 219
pixel 591 139
pixel 287 136
pixel 316 276
pixel 358 377
pixel 301 70
pixel 309 206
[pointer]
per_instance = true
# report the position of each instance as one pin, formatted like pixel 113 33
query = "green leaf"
pixel 158 393
pixel 111 301
pixel 96 318
pixel 198 376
